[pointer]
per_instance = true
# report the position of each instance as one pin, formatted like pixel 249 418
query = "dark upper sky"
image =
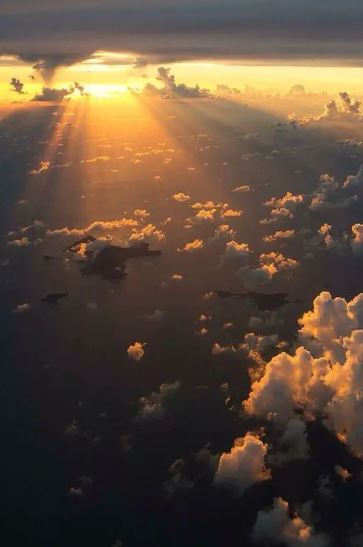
pixel 306 31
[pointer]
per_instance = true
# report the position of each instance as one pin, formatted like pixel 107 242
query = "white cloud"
pixel 243 465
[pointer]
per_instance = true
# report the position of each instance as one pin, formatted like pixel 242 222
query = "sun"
pixel 104 91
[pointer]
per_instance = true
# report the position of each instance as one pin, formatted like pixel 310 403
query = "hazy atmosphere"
pixel 181 257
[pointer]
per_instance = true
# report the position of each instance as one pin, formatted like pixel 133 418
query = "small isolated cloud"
pixel 136 351
pixel 43 166
pixel 17 86
pixel 244 465
pixel 242 189
pixel 192 246
pixel 181 197
pixel 22 308
pixel 51 94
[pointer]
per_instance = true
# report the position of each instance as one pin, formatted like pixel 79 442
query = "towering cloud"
pixel 323 377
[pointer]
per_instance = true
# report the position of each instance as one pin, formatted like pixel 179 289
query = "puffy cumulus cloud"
pixel 192 246
pixel 289 201
pixel 326 240
pixel 275 527
pixel 354 181
pixel 325 191
pixel 323 329
pixel 342 109
pixel 211 211
pixel 357 239
pixel 289 382
pixel 91 249
pixel 323 378
pixel 155 405
pixel 255 277
pixel 231 213
pixel 141 213
pixel 278 262
pixel 280 234
pixel 330 194
pixel 136 351
pixel 148 233
pixel 180 196
pixel 223 232
pixel 50 94
pixel 260 344
pixel 172 90
pixel 244 465
pixel 270 264
pixel 236 252
pixel 97 226
pixel 284 207
pixel 17 86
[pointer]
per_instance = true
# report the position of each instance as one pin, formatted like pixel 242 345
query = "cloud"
pixel 136 351
pixel 270 265
pixel 172 90
pixel 22 308
pixel 244 188
pixel 50 94
pixel 343 109
pixel 280 234
pixel 43 166
pixel 181 197
pixel 160 32
pixel 354 181
pixel 155 406
pixel 100 226
pixel 275 527
pixel 323 377
pixel 293 443
pixel 244 465
pixel 17 86
pixel 192 246
pixel 235 251
pixel 357 240
pixel 147 233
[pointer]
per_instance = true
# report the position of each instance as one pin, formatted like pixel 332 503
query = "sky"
pixel 181 248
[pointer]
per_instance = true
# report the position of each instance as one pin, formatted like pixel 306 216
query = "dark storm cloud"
pixel 279 30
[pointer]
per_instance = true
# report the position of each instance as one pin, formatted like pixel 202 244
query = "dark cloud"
pixel 17 86
pixel 304 31
pixel 52 94
pixel 172 90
